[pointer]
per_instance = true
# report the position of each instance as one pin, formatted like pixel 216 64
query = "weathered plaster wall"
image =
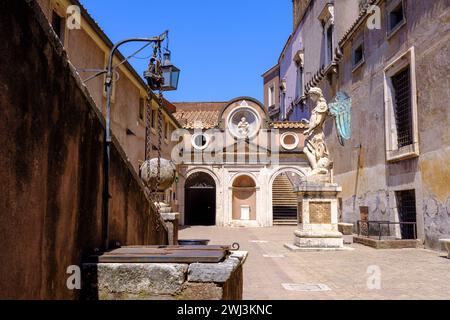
pixel 51 155
pixel 364 171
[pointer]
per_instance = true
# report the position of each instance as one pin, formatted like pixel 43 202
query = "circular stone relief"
pixel 289 140
pixel 243 123
pixel 200 141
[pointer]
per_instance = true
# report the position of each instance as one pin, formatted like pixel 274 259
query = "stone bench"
pixel 446 243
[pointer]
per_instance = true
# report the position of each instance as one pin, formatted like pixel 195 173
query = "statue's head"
pixel 315 94
pixel 243 119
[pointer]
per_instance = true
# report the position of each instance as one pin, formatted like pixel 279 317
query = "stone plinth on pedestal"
pixel 317 218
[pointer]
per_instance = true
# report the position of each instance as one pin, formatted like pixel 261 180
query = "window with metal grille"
pixel 406 205
pixel 402 107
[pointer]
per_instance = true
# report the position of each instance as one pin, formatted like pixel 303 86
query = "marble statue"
pixel 315 146
pixel 318 228
pixel 243 127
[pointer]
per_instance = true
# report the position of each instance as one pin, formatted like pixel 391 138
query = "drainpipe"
pixel 355 192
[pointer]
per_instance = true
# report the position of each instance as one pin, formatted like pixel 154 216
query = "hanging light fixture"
pixel 170 73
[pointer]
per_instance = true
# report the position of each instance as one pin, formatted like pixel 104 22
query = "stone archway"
pixel 200 200
pixel 283 200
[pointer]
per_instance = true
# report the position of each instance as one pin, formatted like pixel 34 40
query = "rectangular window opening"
pixel 58 24
pixel 141 109
pixel 271 96
pixel 166 130
pixel 401 83
pixel 154 118
pixel 329 44
pixel 358 55
pixel 396 17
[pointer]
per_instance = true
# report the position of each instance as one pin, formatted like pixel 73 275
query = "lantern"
pixel 170 73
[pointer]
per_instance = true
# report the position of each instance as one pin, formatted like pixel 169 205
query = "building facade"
pixel 237 168
pixel 391 58
pixel 397 165
pixel 309 52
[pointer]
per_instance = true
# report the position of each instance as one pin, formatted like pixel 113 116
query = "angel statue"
pixel 315 147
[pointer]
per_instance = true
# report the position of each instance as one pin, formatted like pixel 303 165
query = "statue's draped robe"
pixel 315 141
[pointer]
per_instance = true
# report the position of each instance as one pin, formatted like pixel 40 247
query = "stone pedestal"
pixel 317 218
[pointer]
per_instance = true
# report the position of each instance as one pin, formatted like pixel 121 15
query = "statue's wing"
pixel 341 111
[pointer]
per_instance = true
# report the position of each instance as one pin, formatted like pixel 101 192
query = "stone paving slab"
pixel 404 273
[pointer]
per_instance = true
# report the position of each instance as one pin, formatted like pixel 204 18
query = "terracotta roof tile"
pixel 203 115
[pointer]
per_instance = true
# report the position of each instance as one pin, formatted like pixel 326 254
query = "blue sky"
pixel 221 46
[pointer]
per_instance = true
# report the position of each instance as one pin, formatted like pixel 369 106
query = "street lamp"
pixel 156 80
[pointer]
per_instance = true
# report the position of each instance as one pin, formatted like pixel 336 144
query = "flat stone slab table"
pixel 165 272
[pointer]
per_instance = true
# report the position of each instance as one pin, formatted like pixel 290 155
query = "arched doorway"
pixel 200 200
pixel 244 198
pixel 284 199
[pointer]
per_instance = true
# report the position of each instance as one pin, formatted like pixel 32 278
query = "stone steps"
pixel 285 222
pixel 282 193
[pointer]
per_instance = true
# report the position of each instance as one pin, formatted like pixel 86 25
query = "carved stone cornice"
pixel 327 14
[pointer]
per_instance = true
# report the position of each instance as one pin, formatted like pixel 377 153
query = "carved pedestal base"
pixel 317 218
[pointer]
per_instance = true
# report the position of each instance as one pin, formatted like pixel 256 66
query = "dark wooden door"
pixel 200 200
pixel 201 206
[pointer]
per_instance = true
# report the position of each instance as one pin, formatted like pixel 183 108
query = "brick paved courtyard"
pixel 405 273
